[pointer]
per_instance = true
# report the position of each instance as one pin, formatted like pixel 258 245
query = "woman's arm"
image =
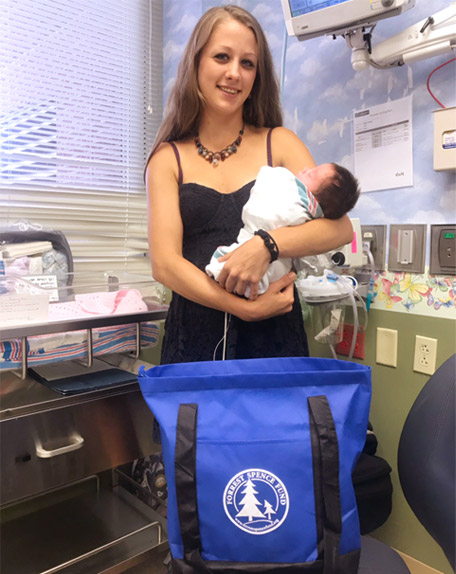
pixel 174 271
pixel 313 237
pixel 247 264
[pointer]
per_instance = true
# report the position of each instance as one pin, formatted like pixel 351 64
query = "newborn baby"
pixel 280 199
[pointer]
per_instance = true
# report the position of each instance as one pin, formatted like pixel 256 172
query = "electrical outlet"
pixel 343 348
pixel 425 355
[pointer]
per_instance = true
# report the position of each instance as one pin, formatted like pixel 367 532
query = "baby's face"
pixel 314 177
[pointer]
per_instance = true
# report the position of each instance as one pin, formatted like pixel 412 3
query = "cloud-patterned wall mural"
pixel 320 92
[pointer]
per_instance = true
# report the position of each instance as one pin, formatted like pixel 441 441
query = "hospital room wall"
pixel 394 389
pixel 321 90
pixel 320 93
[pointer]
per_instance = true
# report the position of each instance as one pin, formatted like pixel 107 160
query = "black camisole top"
pixel 194 332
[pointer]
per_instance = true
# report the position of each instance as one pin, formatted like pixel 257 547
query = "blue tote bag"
pixel 258 457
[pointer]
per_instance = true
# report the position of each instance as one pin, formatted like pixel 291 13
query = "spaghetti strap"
pixel 176 153
pixel 268 146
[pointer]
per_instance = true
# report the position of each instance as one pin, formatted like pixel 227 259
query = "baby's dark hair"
pixel 338 195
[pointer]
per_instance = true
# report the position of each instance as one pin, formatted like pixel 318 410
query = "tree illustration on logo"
pixel 250 502
pixel 268 509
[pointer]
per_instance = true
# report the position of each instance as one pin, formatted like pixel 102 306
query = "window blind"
pixel 80 103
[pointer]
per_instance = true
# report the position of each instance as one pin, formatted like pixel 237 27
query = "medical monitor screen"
pixel 299 7
pixel 310 18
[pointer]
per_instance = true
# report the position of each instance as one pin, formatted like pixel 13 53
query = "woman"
pixel 226 91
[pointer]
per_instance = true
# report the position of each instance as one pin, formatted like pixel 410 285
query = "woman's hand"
pixel 277 300
pixel 245 266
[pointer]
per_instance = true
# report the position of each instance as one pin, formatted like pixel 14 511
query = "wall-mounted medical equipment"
pixel 443 249
pixel 350 255
pixel 324 284
pixel 445 139
pixel 311 18
pixel 328 295
pixel 355 20
pixel 375 237
pixel 407 248
pixel 433 36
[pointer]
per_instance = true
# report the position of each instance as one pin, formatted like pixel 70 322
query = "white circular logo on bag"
pixel 256 501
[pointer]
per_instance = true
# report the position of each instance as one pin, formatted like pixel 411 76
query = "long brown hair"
pixel 185 102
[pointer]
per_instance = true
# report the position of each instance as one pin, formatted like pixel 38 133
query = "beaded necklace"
pixel 214 157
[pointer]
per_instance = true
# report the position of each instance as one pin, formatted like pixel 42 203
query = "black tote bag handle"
pixel 185 476
pixel 325 455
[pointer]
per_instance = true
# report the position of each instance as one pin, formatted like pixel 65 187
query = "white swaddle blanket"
pixel 278 199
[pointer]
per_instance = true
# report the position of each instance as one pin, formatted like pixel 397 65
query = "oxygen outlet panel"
pixel 443 250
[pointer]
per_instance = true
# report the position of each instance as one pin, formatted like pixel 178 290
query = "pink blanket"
pixel 121 302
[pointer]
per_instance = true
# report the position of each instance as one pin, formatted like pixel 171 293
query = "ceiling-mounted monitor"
pixel 311 18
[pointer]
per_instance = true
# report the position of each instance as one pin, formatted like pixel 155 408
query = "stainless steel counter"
pixel 49 441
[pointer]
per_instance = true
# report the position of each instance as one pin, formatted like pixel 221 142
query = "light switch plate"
pixel 407 247
pixel 386 352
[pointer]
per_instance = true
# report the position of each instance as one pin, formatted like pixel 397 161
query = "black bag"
pixel 373 486
pixel 57 238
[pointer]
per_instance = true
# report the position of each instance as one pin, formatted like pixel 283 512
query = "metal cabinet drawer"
pixel 54 447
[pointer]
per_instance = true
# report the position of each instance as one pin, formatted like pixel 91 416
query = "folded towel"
pixel 14 250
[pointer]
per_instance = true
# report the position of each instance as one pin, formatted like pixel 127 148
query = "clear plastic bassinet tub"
pixel 84 316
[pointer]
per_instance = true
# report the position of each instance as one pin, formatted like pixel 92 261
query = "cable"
pixel 370 289
pixel 363 306
pixel 355 326
pixel 429 78
pixel 225 333
pixel 352 293
pixel 350 289
pixel 284 57
pixel 385 66
pixel 223 339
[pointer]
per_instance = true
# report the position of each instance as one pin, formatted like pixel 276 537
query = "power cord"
pixel 370 289
pixel 226 326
